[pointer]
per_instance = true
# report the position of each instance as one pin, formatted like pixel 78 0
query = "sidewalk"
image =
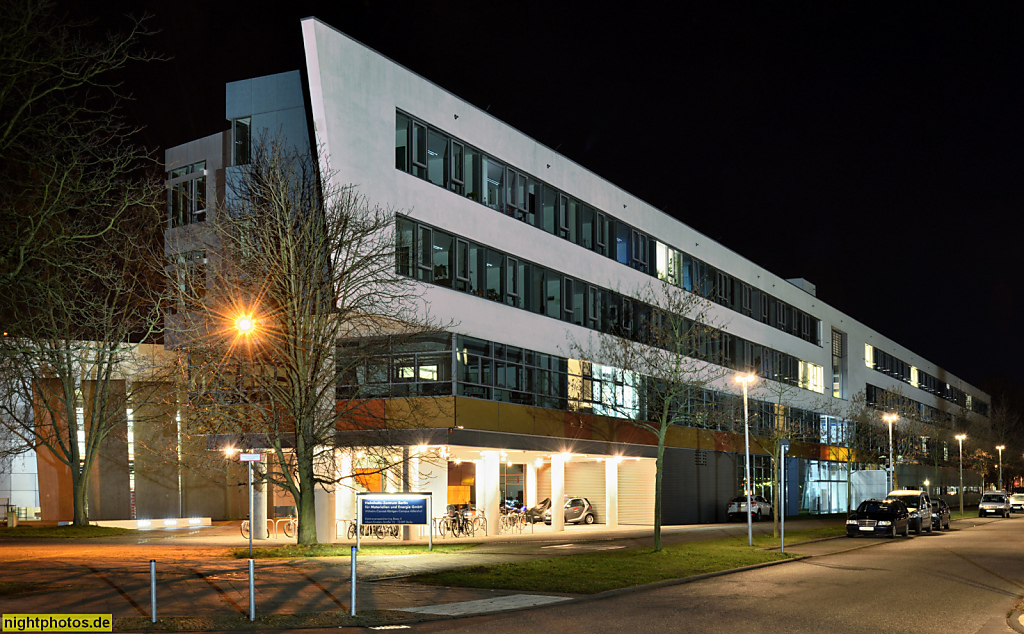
pixel 195 575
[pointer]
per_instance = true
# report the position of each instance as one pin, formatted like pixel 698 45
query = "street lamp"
pixel 960 439
pixel 1000 448
pixel 891 418
pixel 746 379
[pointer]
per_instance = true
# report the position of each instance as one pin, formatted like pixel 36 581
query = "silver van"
pixel 920 507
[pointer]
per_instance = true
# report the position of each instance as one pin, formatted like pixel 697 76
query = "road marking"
pixel 511 602
pixel 585 546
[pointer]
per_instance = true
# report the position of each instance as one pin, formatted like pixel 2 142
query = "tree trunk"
pixel 658 469
pixel 305 501
pixel 79 490
pixel 776 496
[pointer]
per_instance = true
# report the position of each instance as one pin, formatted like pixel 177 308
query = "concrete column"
pixel 406 487
pixel 557 493
pixel 492 480
pixel 325 524
pixel 479 486
pixel 531 484
pixel 611 491
pixel 259 508
pixel 346 489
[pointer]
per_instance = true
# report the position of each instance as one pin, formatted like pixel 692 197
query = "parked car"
pixel 888 517
pixel 577 511
pixel 920 507
pixel 535 514
pixel 994 503
pixel 1017 503
pixel 759 507
pixel 940 515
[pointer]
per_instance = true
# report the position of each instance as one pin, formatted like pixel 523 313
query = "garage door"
pixel 586 480
pixel 636 492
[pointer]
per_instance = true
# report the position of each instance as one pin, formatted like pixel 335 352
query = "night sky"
pixel 875 151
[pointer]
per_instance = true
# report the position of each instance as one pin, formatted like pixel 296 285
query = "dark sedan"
pixel 879 517
pixel 940 515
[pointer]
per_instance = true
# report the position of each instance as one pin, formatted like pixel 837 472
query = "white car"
pixel 994 503
pixel 1017 503
pixel 759 507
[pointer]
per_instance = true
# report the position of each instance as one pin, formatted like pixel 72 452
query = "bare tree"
pixel 67 169
pixel 654 368
pixel 288 329
pixel 74 366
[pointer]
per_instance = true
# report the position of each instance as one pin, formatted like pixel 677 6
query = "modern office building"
pixel 529 254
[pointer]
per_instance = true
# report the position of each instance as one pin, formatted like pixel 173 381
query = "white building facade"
pixel 526 252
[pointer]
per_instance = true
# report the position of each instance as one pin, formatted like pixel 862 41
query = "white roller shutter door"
pixel 586 480
pixel 636 492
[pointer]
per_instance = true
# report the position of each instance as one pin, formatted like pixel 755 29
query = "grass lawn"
pixel 592 572
pixel 295 551
pixel 62 532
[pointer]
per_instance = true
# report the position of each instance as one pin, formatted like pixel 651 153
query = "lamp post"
pixel 745 379
pixel 246 325
pixel 891 418
pixel 1000 448
pixel 960 439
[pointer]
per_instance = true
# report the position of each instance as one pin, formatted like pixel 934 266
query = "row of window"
pixel 430 365
pixel 438 257
pixel 433 155
pixel 885 363
pixel 905 406
pixel 186 199
pixel 685 271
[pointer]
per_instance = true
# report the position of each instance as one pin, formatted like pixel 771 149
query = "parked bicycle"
pixel 456 523
pixel 512 521
pixel 379 531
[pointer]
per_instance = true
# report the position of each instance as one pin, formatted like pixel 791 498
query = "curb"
pixel 1014 620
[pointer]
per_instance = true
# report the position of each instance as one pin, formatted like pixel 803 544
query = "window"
pixel 401 142
pixel 494 175
pixel 458 169
pixel 419 150
pixel 493 273
pixel 549 209
pixel 186 199
pixel 437 158
pixel 241 141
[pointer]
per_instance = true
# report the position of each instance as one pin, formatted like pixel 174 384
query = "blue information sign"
pixel 393 510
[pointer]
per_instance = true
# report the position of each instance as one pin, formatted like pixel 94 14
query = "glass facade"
pixel 446 259
pixel 433 155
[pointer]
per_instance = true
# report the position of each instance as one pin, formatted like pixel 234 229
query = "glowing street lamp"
pixel 960 438
pixel 1000 448
pixel 746 379
pixel 245 324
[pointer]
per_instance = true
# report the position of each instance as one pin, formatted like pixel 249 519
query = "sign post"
pixel 783 447
pixel 250 458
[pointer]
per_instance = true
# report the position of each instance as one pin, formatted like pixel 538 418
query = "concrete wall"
pixel 156 453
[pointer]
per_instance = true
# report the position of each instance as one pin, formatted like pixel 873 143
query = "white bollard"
pixel 152 590
pixel 252 590
pixel 352 610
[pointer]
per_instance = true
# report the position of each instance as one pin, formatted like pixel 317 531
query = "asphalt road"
pixel 964 580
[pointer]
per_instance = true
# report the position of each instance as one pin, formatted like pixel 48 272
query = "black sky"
pixel 874 150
